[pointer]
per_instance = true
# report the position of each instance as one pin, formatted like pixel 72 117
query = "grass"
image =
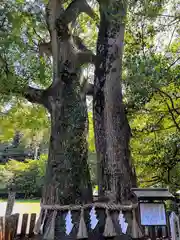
pixel 27 201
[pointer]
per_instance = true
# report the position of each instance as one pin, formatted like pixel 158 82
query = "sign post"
pixel 152 209
pixel 152 214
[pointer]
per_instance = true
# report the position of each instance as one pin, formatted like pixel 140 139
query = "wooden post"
pixel 32 224
pixel 2 228
pixel 10 203
pixel 15 219
pixel 153 233
pixel 24 224
pixel 178 206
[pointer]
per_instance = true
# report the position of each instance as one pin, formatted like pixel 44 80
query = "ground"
pixel 22 206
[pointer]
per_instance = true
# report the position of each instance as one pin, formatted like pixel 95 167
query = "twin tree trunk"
pixel 67 178
pixel 112 131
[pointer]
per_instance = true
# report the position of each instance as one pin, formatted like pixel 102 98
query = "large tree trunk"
pixel 99 104
pixel 121 175
pixel 112 131
pixel 67 176
pixel 117 171
pixel 67 179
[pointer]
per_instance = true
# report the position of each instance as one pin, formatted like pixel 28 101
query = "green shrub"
pixel 26 177
pixel 5 176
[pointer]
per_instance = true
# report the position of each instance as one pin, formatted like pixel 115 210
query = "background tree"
pixel 151 86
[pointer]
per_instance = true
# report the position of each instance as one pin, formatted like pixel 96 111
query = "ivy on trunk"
pixel 67 179
pixel 67 170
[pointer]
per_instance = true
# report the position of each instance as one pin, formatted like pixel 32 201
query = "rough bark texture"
pixel 99 103
pixel 116 168
pixel 67 179
pixel 67 176
pixel 112 132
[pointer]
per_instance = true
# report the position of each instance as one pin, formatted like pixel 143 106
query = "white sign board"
pixel 152 214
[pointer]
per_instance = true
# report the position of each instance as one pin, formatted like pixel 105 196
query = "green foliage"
pixel 20 62
pixel 31 120
pixel 92 167
pixel 152 90
pixel 155 143
pixel 148 8
pixel 5 176
pixel 91 134
pixel 25 177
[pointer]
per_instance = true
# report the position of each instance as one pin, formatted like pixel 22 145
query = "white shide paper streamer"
pixel 69 224
pixel 122 223
pixel 93 218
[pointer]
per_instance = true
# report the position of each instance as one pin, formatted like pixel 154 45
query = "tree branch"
pixel 79 43
pixel 86 87
pixel 53 11
pixel 171 100
pixel 152 180
pixel 170 111
pixel 173 63
pixel 34 95
pixel 86 57
pixel 75 8
pixel 173 117
pixel 89 89
pixel 45 48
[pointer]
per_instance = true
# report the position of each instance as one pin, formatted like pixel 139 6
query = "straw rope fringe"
pixel 82 231
pixel 50 231
pixel 43 221
pixel 110 206
pixel 136 231
pixel 38 223
pixel 109 230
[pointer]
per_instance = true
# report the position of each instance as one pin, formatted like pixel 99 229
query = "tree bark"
pixel 67 176
pixel 67 179
pixel 117 171
pixel 99 104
